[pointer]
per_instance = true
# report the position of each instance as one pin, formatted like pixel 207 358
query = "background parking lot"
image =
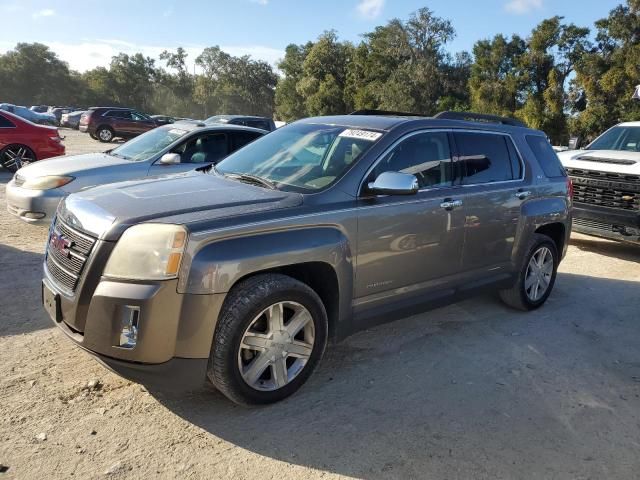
pixel 473 390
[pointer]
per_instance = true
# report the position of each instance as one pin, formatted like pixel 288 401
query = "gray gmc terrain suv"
pixel 241 272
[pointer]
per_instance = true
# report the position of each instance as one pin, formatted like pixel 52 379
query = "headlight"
pixel 149 251
pixel 47 182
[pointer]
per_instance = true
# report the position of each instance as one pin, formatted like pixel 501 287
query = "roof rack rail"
pixel 479 117
pixel 387 113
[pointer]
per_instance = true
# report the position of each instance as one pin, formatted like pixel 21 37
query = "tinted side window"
pixel 240 139
pixel 258 124
pixel 546 157
pixel 138 116
pixel 425 155
pixel 483 158
pixel 6 123
pixel 205 148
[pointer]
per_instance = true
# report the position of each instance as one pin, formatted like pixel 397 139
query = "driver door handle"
pixel 523 194
pixel 450 204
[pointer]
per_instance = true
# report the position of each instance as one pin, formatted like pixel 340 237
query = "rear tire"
pixel 13 157
pixel 104 134
pixel 537 275
pixel 92 135
pixel 270 336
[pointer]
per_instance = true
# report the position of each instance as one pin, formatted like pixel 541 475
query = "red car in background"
pixel 23 142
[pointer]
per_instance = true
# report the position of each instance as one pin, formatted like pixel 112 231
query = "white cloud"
pixel 370 9
pixel 87 54
pixel 260 2
pixel 520 7
pixel 47 12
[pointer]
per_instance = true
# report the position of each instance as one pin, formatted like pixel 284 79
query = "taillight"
pixel 56 137
pixel 570 187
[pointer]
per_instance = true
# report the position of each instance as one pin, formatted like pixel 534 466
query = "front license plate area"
pixel 51 302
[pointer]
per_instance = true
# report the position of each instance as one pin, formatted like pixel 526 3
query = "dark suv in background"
pixel 262 123
pixel 106 123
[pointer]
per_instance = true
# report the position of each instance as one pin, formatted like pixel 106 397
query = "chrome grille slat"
pixel 66 267
pixel 606 189
pixel 583 222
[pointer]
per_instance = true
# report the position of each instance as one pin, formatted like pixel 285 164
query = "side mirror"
pixel 394 183
pixel 170 159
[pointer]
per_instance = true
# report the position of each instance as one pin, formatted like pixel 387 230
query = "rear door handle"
pixel 451 204
pixel 523 194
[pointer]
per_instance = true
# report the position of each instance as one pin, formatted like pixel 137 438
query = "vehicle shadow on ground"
pixel 469 385
pixel 620 250
pixel 21 310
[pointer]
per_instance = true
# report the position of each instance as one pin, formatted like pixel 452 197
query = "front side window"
pixel 483 158
pixel 301 157
pixel 147 145
pixel 208 148
pixel 425 155
pixel 618 138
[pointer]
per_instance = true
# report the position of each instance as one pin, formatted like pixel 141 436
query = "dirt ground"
pixel 473 390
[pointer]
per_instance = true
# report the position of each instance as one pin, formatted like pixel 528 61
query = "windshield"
pixel 302 158
pixel 148 144
pixel 618 138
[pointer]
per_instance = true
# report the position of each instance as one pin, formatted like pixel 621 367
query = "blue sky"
pixel 87 33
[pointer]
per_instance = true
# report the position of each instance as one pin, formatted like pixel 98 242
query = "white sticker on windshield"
pixel 362 134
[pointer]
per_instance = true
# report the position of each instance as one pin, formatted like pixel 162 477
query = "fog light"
pixel 129 331
pixel 34 215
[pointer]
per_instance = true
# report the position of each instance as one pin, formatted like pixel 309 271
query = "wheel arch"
pixel 555 231
pixel 320 257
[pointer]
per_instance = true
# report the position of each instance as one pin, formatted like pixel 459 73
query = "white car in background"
pixel 606 182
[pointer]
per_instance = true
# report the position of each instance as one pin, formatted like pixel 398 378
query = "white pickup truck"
pixel 606 182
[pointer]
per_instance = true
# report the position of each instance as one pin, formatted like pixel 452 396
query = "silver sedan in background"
pixel 35 190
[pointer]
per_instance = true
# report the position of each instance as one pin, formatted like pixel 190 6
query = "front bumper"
pixel 33 206
pixel 174 335
pixel 606 222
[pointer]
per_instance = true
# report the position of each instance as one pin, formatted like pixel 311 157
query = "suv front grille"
pixel 605 189
pixel 67 263
pixel 584 222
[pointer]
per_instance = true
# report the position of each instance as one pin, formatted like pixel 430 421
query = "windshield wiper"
pixel 118 155
pixel 254 179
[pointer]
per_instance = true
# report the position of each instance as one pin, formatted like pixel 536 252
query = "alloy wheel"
pixel 14 158
pixel 539 273
pixel 105 135
pixel 276 346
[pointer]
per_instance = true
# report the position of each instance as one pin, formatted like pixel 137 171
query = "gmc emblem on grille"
pixel 60 243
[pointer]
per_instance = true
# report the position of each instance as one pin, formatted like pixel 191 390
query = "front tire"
pixel 105 134
pixel 537 275
pixel 271 335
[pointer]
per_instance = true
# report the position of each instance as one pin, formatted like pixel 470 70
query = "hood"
pixel 614 161
pixel 71 165
pixel 107 211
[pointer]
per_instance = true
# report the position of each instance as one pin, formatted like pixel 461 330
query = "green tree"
pixel 324 75
pixel 607 75
pixel 496 79
pixel 403 66
pixel 33 74
pixel 553 50
pixel 289 102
